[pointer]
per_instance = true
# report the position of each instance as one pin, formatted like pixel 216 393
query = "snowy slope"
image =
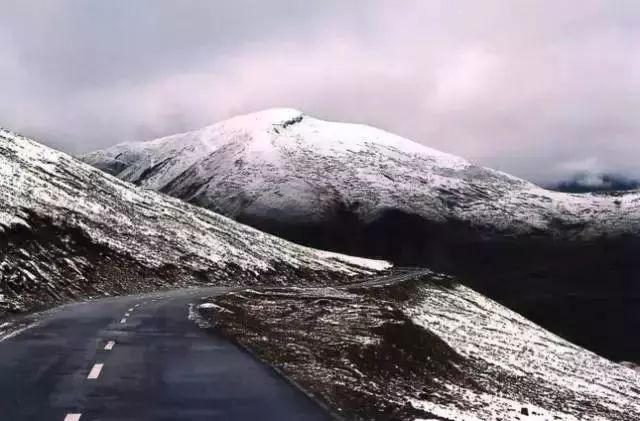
pixel 428 348
pixel 522 365
pixel 282 164
pixel 66 227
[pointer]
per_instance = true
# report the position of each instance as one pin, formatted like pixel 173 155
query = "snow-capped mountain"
pixel 280 165
pixel 552 256
pixel 69 230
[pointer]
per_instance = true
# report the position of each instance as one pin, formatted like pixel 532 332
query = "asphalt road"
pixel 138 358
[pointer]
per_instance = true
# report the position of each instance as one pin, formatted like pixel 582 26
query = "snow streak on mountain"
pixel 69 230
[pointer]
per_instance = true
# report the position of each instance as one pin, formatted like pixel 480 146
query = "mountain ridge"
pixel 183 166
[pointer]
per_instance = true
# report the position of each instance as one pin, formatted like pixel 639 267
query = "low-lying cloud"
pixel 540 89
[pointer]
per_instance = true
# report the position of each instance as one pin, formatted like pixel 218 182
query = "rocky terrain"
pixel 69 231
pixel 426 349
pixel 566 261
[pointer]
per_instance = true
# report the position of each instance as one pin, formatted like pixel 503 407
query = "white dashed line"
pixel 130 310
pixel 124 320
pixel 109 345
pixel 72 417
pixel 95 371
pixel 127 314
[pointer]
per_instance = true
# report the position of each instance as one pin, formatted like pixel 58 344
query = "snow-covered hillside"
pixel 550 377
pixel 427 349
pixel 69 230
pixel 282 164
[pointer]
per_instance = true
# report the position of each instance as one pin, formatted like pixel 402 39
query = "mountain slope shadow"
pixel 585 291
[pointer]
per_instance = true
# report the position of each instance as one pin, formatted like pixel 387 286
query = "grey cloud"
pixel 541 89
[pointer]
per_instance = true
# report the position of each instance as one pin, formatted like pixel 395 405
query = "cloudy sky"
pixel 540 89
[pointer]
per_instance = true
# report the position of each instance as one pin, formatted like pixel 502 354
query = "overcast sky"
pixel 540 89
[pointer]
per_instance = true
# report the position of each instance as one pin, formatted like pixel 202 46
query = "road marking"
pixel 72 417
pixel 130 310
pixel 95 371
pixel 109 345
pixel 127 314
pixel 124 320
pixel 137 305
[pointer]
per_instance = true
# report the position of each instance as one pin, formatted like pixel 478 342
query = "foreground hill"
pixel 566 261
pixel 427 349
pixel 68 231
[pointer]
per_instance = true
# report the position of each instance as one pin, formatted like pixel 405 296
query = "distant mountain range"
pixel 552 256
pixel 587 183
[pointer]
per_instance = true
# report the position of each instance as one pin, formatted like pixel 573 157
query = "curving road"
pixel 138 358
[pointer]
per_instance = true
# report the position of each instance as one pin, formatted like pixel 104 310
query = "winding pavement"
pixel 138 358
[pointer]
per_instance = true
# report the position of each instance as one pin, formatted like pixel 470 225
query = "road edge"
pixel 195 316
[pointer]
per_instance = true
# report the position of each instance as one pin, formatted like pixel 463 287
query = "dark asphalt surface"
pixel 162 367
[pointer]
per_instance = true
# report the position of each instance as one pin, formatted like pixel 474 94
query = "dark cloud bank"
pixel 540 89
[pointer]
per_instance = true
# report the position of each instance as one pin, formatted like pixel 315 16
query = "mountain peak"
pixel 273 116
